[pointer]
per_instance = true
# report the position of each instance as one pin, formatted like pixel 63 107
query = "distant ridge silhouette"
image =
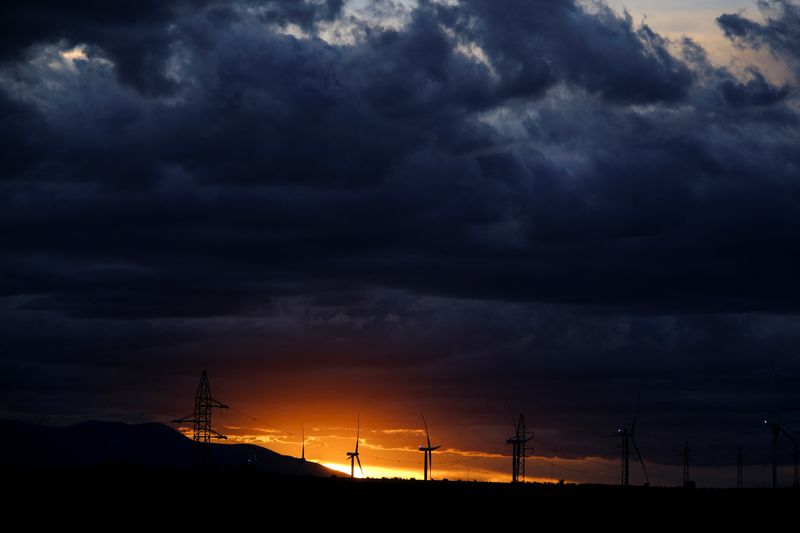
pixel 152 445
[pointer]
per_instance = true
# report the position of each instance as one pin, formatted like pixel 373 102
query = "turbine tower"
pixel 686 454
pixel 739 468
pixel 775 427
pixel 519 449
pixel 428 451
pixel 354 455
pixel 687 459
pixel 201 421
pixel 628 438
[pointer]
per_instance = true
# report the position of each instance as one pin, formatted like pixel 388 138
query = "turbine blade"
pixel 427 435
pixel 639 455
pixel 358 431
pixel 791 437
pixel 359 466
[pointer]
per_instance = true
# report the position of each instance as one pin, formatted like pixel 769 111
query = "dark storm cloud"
pixel 780 31
pixel 133 34
pixel 756 92
pixel 136 35
pixel 535 44
pixel 485 187
pixel 266 110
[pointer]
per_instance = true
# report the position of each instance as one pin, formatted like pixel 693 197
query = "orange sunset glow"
pixel 392 451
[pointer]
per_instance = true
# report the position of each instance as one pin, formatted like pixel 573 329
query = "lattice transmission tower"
pixel 204 403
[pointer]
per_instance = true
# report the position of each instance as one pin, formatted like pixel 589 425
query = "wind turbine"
pixel 428 451
pixel 778 428
pixel 628 438
pixel 354 455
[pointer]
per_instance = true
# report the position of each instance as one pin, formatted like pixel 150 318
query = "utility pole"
pixel 201 421
pixel 519 450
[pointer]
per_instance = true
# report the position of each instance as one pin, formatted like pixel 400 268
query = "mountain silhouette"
pixel 152 445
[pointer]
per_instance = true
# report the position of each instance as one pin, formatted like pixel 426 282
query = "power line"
pixel 260 421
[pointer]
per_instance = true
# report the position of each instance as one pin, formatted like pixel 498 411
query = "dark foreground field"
pixel 183 496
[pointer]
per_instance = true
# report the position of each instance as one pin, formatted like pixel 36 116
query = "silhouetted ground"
pixel 181 497
pixel 156 446
pixel 78 474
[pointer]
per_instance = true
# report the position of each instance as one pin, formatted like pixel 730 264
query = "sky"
pixel 355 210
